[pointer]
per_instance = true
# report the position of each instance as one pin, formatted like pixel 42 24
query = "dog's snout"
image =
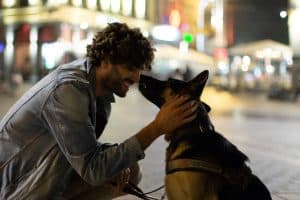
pixel 143 85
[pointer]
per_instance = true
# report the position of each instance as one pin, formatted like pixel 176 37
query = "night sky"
pixel 261 3
pixel 258 19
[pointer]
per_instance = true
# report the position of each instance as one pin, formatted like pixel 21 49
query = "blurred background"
pixel 250 47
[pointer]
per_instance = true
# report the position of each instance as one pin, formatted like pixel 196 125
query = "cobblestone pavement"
pixel 268 132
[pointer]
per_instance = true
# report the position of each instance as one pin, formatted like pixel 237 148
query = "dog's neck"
pixel 201 125
pixel 178 133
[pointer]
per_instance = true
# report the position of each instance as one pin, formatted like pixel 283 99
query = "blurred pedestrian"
pixel 177 74
pixel 15 81
pixel 49 146
pixel 187 75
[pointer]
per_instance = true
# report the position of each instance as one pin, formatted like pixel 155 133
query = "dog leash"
pixel 132 189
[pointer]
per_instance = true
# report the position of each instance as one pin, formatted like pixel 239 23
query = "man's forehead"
pixel 130 67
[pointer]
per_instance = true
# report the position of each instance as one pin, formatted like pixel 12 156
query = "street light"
pixel 283 14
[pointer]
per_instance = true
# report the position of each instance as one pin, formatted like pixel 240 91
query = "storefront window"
pixel 127 7
pixel 77 3
pixel 34 2
pixel 92 4
pixel 115 6
pixel 140 8
pixel 56 2
pixel 9 3
pixel 105 4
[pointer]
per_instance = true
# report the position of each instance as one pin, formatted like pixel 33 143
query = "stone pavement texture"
pixel 268 132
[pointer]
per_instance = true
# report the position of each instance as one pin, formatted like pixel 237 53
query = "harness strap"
pixel 133 189
pixel 192 165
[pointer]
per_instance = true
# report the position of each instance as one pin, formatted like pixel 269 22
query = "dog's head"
pixel 159 92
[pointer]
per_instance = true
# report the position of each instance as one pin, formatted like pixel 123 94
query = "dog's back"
pixel 236 182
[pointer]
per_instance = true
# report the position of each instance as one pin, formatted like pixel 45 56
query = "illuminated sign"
pixel 220 53
pixel 2 46
pixel 188 37
pixel 294 31
pixel 166 33
pixel 174 18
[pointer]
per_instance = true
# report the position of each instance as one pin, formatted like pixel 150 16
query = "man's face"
pixel 118 78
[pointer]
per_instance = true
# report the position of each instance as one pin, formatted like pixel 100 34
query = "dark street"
pixel 267 131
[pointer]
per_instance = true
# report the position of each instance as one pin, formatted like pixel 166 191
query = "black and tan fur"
pixel 199 141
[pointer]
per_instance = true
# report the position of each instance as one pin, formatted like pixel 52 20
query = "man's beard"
pixel 119 88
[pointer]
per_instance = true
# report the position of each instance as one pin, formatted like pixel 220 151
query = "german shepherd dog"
pixel 201 164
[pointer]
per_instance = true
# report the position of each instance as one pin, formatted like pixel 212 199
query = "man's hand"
pixel 120 181
pixel 172 115
pixel 175 113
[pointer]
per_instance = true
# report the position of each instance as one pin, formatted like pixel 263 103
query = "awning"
pixel 68 14
pixel 263 48
pixel 167 51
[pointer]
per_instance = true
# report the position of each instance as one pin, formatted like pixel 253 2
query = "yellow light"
pixel 34 2
pixel 127 7
pixel 77 3
pixel 9 3
pixel 105 4
pixel 174 18
pixel 115 6
pixel 140 8
pixel 92 4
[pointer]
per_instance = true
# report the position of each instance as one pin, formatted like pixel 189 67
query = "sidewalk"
pixel 221 102
pixel 269 155
pixel 223 105
pixel 250 105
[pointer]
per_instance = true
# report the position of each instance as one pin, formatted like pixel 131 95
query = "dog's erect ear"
pixel 151 89
pixel 206 106
pixel 197 84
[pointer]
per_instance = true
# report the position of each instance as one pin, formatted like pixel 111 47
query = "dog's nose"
pixel 143 85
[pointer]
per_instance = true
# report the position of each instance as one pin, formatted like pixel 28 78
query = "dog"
pixel 201 164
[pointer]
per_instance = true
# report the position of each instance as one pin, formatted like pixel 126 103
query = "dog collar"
pixel 191 165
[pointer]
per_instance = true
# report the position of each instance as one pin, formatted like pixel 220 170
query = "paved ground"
pixel 268 132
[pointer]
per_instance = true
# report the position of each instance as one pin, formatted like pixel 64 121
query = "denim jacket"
pixel 52 130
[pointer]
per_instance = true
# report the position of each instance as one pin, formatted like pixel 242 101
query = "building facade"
pixel 37 35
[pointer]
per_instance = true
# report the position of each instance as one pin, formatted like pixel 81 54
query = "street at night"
pixel 267 131
pixel 251 49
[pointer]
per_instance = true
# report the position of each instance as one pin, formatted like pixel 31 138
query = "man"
pixel 48 139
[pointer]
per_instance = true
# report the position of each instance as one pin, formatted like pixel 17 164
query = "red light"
pixel 220 53
pixel 25 28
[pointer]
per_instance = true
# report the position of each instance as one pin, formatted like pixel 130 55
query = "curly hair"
pixel 121 45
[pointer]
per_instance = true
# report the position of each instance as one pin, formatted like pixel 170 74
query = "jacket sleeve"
pixel 66 114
